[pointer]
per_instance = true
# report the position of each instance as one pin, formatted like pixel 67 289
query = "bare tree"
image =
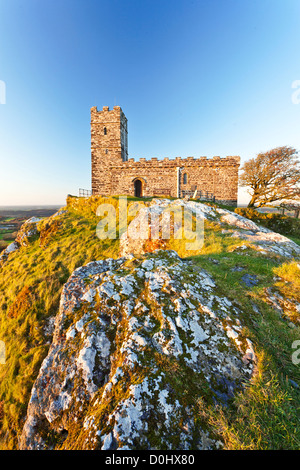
pixel 272 176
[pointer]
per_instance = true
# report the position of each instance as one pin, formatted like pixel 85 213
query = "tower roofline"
pixel 105 108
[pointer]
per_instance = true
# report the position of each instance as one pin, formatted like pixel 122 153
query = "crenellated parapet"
pixel 187 161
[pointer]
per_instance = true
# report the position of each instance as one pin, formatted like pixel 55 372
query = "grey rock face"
pixel 119 322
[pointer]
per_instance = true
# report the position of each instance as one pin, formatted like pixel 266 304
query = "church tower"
pixel 109 145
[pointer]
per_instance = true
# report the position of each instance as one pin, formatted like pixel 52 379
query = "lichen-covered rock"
pixel 153 223
pixel 28 231
pixel 264 240
pixel 25 235
pixel 11 248
pixel 159 220
pixel 288 308
pixel 137 343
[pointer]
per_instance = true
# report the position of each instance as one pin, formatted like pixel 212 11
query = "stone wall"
pixel 113 173
pixel 108 144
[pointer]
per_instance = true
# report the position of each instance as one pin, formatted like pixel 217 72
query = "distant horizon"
pixel 31 206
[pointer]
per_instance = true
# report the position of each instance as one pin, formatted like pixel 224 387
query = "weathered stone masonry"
pixel 114 174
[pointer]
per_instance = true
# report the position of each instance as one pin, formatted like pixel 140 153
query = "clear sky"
pixel 194 78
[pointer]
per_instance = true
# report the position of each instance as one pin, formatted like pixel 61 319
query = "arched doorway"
pixel 138 188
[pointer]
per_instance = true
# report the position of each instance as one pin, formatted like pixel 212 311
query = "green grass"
pixel 295 239
pixel 264 416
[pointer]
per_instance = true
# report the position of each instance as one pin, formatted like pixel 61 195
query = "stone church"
pixel 113 173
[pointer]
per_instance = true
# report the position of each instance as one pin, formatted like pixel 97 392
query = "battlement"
pixel 94 109
pixel 182 161
pixel 107 115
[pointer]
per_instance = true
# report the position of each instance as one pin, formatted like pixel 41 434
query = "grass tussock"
pixel 289 272
pixel 262 417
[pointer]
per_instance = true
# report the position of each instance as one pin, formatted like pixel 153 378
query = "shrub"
pixel 278 223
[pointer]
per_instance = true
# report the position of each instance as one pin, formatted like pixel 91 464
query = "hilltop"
pixel 125 343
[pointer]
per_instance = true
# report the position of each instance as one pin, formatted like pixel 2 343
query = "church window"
pixel 105 131
pixel 185 178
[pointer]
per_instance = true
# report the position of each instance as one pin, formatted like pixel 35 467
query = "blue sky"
pixel 194 78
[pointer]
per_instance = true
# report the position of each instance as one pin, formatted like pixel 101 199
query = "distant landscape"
pixel 12 217
pixel 27 208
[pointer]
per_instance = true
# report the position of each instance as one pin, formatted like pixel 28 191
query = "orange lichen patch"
pixel 22 302
pixel 154 244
